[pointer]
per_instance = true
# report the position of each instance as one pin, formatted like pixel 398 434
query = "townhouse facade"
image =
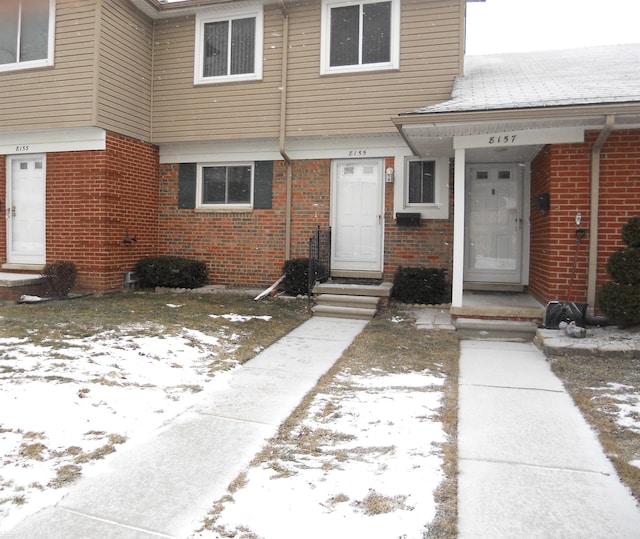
pixel 229 131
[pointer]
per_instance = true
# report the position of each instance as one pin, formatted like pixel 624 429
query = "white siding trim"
pixel 53 140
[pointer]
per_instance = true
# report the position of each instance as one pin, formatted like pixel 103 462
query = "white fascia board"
pixel 527 137
pixel 341 147
pixel 53 140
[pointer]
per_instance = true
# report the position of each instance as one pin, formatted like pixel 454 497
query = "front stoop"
pixel 360 301
pixel 15 285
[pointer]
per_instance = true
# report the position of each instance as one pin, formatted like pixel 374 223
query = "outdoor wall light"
pixel 388 175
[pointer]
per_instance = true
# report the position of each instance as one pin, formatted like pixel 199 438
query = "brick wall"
pixel 249 248
pixel 564 171
pixel 96 200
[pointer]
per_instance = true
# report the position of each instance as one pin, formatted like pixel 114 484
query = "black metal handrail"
pixel 319 258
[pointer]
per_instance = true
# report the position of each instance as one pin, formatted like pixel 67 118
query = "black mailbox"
pixel 408 219
pixel 543 202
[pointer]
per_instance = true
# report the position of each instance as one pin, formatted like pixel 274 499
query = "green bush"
pixel 631 232
pixel 59 278
pixel 171 272
pixel 296 276
pixel 621 303
pixel 624 266
pixel 420 285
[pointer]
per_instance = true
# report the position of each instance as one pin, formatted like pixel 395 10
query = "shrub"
pixel 624 266
pixel 621 303
pixel 296 276
pixel 631 232
pixel 420 285
pixel 620 299
pixel 171 272
pixel 59 278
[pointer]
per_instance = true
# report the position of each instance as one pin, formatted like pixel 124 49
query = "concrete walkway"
pixel 529 464
pixel 166 485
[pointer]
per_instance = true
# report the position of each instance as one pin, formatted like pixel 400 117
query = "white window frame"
pixel 256 12
pixel 439 209
pixel 325 47
pixel 223 207
pixel 44 62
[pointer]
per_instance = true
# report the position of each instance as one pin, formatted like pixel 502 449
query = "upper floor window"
pixel 229 48
pixel 360 36
pixel 26 33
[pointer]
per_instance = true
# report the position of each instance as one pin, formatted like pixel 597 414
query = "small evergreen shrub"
pixel 631 232
pixel 296 276
pixel 621 303
pixel 620 299
pixel 624 266
pixel 420 285
pixel 59 278
pixel 171 272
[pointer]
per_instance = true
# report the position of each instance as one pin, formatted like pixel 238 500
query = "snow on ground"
pixel 626 403
pixel 66 405
pixel 372 474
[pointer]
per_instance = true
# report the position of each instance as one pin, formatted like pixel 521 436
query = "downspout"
pixel 283 128
pixel 594 212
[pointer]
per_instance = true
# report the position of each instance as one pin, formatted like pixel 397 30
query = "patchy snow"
pixel 373 473
pixel 626 403
pixel 239 318
pixel 65 405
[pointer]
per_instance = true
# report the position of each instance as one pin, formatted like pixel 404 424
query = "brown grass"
pixel 585 380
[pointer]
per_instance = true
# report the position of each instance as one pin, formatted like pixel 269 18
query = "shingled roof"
pixel 595 75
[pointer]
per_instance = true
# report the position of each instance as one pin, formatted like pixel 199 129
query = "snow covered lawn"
pixel 81 377
pixel 365 454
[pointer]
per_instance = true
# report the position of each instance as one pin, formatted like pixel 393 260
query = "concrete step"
pixel 379 290
pixel 479 328
pixel 339 311
pixel 367 302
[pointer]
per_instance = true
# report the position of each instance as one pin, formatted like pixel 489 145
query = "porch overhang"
pixel 440 133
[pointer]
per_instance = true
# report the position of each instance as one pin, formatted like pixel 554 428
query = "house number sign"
pixel 22 148
pixel 496 140
pixel 357 153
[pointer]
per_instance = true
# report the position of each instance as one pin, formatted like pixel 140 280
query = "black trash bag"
pixel 564 311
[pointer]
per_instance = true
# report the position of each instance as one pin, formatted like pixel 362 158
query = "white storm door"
pixel 25 211
pixel 493 224
pixel 357 215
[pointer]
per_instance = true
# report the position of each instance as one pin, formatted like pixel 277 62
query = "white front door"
pixel 25 211
pixel 357 215
pixel 493 224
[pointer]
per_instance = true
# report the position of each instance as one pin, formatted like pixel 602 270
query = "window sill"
pixel 225 209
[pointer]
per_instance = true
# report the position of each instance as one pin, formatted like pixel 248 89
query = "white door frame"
pixel 15 207
pixel 373 215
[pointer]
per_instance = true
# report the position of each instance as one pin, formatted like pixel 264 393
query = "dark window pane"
pixel 9 31
pixel 214 180
pixel 34 38
pixel 216 43
pixel 345 31
pixel 376 33
pixel 239 185
pixel 243 46
pixel 421 182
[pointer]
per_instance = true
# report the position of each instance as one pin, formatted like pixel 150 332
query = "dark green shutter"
pixel 263 185
pixel 187 186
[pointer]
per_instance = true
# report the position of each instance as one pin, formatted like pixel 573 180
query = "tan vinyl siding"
pixel 124 78
pixel 364 102
pixel 183 111
pixel 317 105
pixel 58 96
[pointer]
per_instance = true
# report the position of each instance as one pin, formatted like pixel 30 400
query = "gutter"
pixel 283 128
pixel 595 210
